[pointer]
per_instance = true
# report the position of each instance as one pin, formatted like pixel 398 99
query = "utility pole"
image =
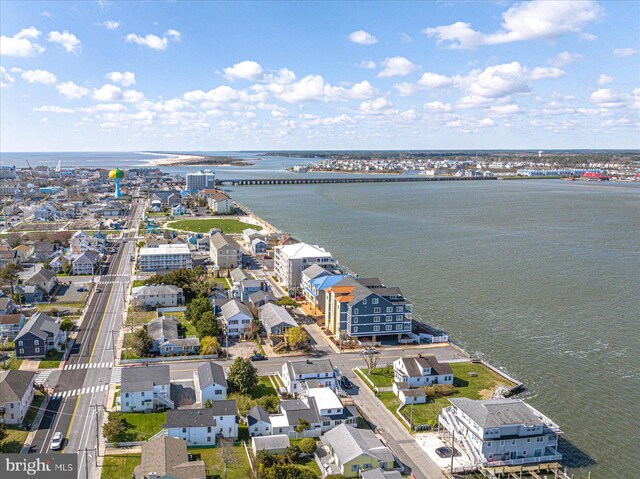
pixel 113 345
pixel 86 461
pixel 97 432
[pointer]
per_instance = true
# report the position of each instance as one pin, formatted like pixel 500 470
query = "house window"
pixel 388 327
pixel 36 342
pixel 398 327
pixel 364 301
pixel 390 309
pixel 209 429
pixel 376 310
pixel 399 309
pixel 376 319
pixel 355 310
pixel 488 443
pixel 376 328
pixel 37 350
pixel 184 429
pixel 326 423
pixel 398 318
pixel 208 438
pixel 21 350
pixel 389 318
pixel 374 301
pixel 355 320
pixel 355 329
pixel 19 343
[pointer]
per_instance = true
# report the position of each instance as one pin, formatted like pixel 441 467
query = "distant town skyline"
pixel 216 76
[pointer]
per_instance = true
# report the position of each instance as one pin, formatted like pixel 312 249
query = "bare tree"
pixel 226 450
pixel 371 358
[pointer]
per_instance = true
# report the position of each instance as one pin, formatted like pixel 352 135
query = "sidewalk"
pixel 34 427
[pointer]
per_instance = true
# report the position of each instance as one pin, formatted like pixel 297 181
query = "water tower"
pixel 116 175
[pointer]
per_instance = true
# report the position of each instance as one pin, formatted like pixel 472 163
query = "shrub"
pixel 443 389
pixel 308 445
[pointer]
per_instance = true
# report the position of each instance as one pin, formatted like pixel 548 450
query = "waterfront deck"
pixel 372 179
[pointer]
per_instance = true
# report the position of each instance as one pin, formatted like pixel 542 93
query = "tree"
pixel 371 358
pixel 115 429
pixel 3 433
pixel 287 302
pixel 208 404
pixel 269 403
pixel 226 446
pixel 243 375
pixel 10 274
pixel 291 453
pixel 196 309
pixel 207 324
pixel 209 345
pixel 303 425
pixel 141 342
pixel 296 337
pixel 67 267
pixel 243 402
pixel 308 445
pixel 67 325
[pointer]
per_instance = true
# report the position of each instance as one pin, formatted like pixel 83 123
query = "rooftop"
pixel 163 249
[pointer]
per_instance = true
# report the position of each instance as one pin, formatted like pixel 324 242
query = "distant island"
pixel 185 159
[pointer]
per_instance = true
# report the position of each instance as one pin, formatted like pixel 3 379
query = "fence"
pixel 168 358
pixel 174 309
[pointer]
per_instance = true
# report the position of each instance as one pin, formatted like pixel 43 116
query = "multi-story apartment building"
pixel 165 256
pixel 361 307
pixel 501 432
pixel 158 294
pixel 224 251
pixel 292 259
pixel 201 180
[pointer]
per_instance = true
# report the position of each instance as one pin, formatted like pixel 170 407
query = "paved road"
pixel 87 373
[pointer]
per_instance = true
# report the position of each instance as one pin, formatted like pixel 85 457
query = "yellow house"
pixel 347 450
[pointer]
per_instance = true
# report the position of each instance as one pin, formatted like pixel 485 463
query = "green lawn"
pixel 224 282
pixel 52 361
pixel 14 440
pixel 38 398
pixel 127 351
pixel 263 388
pixel 212 456
pixel 119 465
pixel 203 226
pixel 380 377
pixel 138 318
pixel 142 426
pixel 185 328
pixel 138 282
pixel 13 363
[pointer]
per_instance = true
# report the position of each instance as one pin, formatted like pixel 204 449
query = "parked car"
pixel 81 289
pixel 258 357
pixel 446 452
pixel 369 351
pixel 98 290
pixel 56 441
pixel 345 383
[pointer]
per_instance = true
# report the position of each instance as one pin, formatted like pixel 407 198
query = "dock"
pixel 372 179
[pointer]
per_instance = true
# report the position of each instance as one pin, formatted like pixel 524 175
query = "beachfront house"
pixel 291 260
pixel 501 432
pixel 421 370
pixel 299 376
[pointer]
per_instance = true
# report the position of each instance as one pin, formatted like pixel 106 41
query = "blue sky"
pixel 319 75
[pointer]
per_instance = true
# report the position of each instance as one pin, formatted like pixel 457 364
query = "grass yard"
pixel 212 457
pixel 138 318
pixel 38 398
pixel 14 440
pixel 127 350
pixel 52 361
pixel 119 465
pixel 263 388
pixel 138 282
pixel 13 363
pixel 479 386
pixel 224 282
pixel 380 377
pixel 185 328
pixel 142 426
pixel 203 226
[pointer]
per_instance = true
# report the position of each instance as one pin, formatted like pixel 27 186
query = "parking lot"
pixel 430 441
pixel 242 349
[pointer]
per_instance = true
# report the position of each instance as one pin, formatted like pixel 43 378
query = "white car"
pixel 56 441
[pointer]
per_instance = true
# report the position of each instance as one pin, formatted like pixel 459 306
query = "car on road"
pixel 446 452
pixel 345 383
pixel 98 290
pixel 258 357
pixel 369 351
pixel 81 289
pixel 56 441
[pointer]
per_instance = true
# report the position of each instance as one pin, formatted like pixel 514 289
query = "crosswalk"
pixel 115 276
pixel 89 366
pixel 42 376
pixel 116 375
pixel 114 282
pixel 77 392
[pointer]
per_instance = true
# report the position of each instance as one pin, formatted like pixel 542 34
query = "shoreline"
pixel 185 159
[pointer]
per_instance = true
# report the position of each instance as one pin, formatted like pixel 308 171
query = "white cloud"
pixel 71 90
pixel 246 70
pixel 624 52
pixel 359 91
pixel 505 109
pixel 499 80
pixel 396 66
pixel 39 76
pixel 434 80
pixel 539 73
pixel 122 78
pixel 53 109
pixel 374 107
pixel 132 96
pixel 362 38
pixel 45 14
pixel 309 88
pixel 587 37
pixel 564 58
pixel 102 107
pixel 405 88
pixel 107 92
pixel 21 44
pixel 486 122
pixel 67 40
pixel 607 98
pixel 368 64
pixel 537 19
pixel 153 41
pixel 604 79
pixel 438 106
pixel 109 24
pixel 6 80
pixel 404 38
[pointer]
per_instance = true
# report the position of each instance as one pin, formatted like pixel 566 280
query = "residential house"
pixel 291 260
pixel 411 373
pixel 7 306
pixel 164 456
pixel 366 308
pixel 30 294
pixel 44 279
pixel 380 474
pixel 249 234
pixel 24 252
pixel 44 250
pixel 237 318
pixel 346 450
pixel 165 257
pixel 312 272
pixel 85 263
pixel 270 444
pixel 220 203
pixel 210 383
pixel 258 246
pixel 16 394
pixel 315 292
pixel 501 432
pixel 260 298
pixel 154 295
pixel 258 421
pixel 164 335
pixel 202 427
pixel 247 287
pixel 10 325
pixel 145 389
pixel 224 251
pixel 299 376
pixel 275 319
pixel 237 275
pixel 38 336
pixel 9 256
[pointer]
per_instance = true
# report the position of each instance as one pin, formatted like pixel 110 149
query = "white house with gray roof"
pixel 275 319
pixel 202 427
pixel 412 373
pixel 236 317
pixel 209 382
pixel 301 375
pixel 258 421
pixel 271 444
pixel 154 295
pixel 16 394
pixel 163 332
pixel 145 388
pixel 501 432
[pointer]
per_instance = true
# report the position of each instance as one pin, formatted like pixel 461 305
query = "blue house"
pixel 258 246
pixel 315 292
pixel 40 335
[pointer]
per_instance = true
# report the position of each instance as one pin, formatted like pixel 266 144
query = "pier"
pixel 373 179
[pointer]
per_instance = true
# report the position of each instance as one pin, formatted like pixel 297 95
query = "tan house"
pixel 224 251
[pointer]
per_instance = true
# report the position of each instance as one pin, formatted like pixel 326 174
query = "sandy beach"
pixel 171 159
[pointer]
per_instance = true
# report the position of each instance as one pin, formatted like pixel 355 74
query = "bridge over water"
pixel 358 179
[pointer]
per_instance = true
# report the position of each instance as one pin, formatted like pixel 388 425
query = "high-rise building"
pixel 200 180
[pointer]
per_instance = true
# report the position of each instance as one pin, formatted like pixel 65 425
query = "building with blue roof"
pixel 315 292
